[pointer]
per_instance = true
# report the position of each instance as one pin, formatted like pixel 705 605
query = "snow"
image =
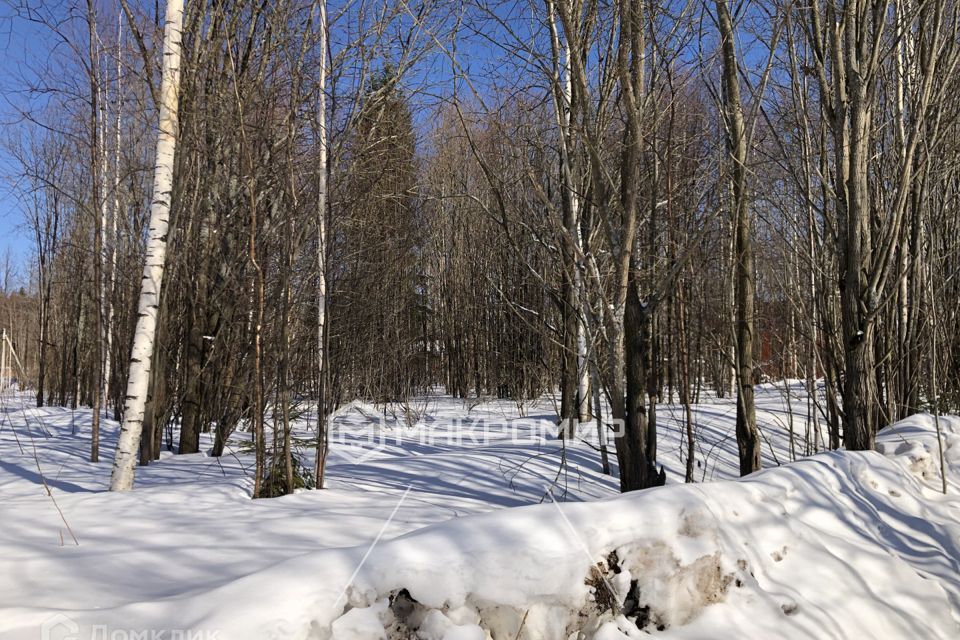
pixel 465 526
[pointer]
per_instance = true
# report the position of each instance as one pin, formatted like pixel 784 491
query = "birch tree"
pixel 143 344
pixel 575 385
pixel 322 330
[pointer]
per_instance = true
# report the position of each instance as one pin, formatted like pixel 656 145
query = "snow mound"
pixel 842 544
pixel 839 545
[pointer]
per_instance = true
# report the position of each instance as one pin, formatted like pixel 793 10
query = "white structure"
pixel 4 376
pixel 8 358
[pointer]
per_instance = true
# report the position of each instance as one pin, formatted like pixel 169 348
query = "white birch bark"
pixel 321 248
pixel 141 356
pixel 583 373
pixel 105 333
pixel 112 242
pixel 563 96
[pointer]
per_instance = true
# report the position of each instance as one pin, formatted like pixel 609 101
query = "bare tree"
pixel 748 441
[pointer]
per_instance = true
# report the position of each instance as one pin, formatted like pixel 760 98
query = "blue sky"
pixel 20 44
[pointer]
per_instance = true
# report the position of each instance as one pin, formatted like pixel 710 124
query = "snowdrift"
pixel 840 545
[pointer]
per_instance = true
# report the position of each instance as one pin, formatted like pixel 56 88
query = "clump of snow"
pixel 796 551
pixel 364 623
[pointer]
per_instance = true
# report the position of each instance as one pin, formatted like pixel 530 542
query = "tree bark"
pixel 748 441
pixel 323 440
pixel 141 355
pixel 96 199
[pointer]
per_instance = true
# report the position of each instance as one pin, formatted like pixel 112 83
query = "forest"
pixel 240 221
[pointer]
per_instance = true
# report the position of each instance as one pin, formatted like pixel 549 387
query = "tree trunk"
pixel 748 442
pixel 96 198
pixel 143 345
pixel 639 472
pixel 323 440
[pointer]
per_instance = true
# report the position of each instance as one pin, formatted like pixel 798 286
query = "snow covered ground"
pixel 477 522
